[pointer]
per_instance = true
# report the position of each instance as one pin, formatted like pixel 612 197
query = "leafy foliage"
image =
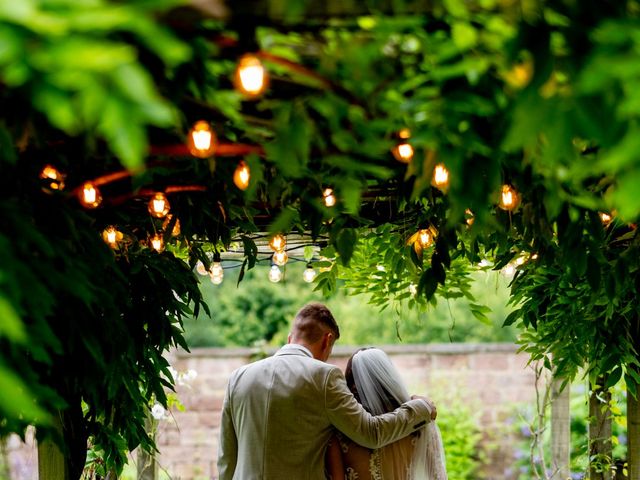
pixel 539 95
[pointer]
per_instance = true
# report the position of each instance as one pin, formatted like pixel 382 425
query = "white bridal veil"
pixel 380 389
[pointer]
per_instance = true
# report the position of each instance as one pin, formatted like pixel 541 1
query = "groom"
pixel 278 413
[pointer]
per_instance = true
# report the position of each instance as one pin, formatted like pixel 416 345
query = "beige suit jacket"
pixel 278 415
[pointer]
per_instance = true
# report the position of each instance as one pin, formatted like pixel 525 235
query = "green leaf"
pixel 345 244
pixel 11 326
pixel 21 403
pixel 613 377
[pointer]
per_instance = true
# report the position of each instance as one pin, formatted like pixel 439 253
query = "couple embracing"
pixel 293 416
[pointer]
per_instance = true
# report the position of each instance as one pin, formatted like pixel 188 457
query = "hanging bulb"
pixel 157 242
pixel 112 236
pixel 175 231
pixel 202 140
pixel 309 274
pixel 277 242
pixel 280 257
pixel 241 175
pixel 605 218
pixel 425 237
pixel 329 197
pixel 403 151
pixel 469 217
pixel 509 198
pixel 159 205
pixel 275 274
pixel 251 77
pixel 217 279
pixel 201 269
pixel 52 178
pixel 90 196
pixel 440 178
pixel 216 269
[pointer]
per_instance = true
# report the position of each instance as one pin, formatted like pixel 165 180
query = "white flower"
pixel 158 412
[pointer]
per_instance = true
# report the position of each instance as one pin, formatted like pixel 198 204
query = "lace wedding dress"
pixel 396 461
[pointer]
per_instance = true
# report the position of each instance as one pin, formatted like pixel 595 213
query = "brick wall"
pixel 489 377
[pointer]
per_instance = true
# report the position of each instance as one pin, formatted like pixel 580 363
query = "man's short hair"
pixel 312 321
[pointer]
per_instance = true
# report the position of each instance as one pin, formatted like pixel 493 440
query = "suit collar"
pixel 294 349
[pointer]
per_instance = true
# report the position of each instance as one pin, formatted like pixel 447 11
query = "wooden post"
pixel 633 433
pixel 600 446
pixel 146 464
pixel 52 464
pixel 560 430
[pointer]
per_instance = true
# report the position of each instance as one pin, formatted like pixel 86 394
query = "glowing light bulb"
pixel 277 242
pixel 157 242
pixel 251 77
pixel 242 175
pixel 509 198
pixel 605 218
pixel 201 269
pixel 90 196
pixel 280 257
pixel 159 205
pixel 217 279
pixel 403 151
pixel 275 274
pixel 440 178
pixel 469 217
pixel 216 269
pixel 329 197
pixel 112 236
pixel 309 274
pixel 52 178
pixel 202 140
pixel 425 238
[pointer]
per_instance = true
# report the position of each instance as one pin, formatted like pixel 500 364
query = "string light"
pixel 605 218
pixel 217 279
pixel 159 205
pixel 275 274
pixel 53 179
pixel 175 231
pixel 469 217
pixel 201 140
pixel 509 198
pixel 201 269
pixel 309 274
pixel 329 197
pixel 242 175
pixel 112 236
pixel 157 242
pixel 250 77
pixel 425 237
pixel 440 178
pixel 403 151
pixel 277 242
pixel 280 257
pixel 216 269
pixel 90 196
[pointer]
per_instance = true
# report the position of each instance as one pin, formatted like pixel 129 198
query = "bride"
pixel 376 384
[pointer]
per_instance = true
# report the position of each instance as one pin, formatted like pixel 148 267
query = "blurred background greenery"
pixel 258 312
